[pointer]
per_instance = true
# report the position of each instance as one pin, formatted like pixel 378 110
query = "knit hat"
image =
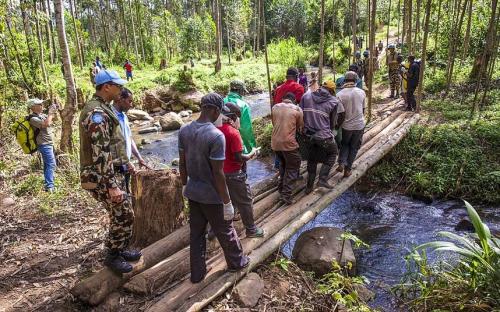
pixel 212 99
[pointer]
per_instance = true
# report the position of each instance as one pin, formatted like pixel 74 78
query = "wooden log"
pixel 177 265
pixel 158 205
pixel 213 289
pixel 95 288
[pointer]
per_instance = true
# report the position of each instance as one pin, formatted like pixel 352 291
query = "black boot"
pixel 310 182
pixel 117 263
pixel 324 172
pixel 131 255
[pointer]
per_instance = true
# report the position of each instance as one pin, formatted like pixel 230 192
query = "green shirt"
pixel 246 130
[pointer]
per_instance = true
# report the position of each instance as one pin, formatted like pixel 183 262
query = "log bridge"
pixel 162 274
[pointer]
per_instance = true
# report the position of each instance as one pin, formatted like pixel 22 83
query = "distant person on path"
pixel 120 108
pixel 98 63
pixel 313 85
pixel 353 101
pixel 303 79
pixel 103 163
pixel 322 112
pixel 291 85
pixel 393 67
pixel 236 177
pixel 341 80
pixel 287 120
pixel 201 165
pixel 44 139
pixel 128 70
pixel 380 46
pixel 413 76
pixel 359 64
pixel 237 89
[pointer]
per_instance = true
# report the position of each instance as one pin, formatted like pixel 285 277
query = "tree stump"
pixel 158 205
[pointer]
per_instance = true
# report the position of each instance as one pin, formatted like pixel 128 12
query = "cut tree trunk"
pixel 321 42
pixel 158 205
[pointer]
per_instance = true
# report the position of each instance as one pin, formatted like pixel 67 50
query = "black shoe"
pixel 240 268
pixel 258 232
pixel 325 184
pixel 310 183
pixel 117 263
pixel 131 255
pixel 324 173
pixel 286 200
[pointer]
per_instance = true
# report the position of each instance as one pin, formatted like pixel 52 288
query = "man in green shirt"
pixel 236 91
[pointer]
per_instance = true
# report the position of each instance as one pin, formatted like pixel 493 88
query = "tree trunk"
pixel 353 28
pixel 424 54
pixel 217 36
pixel 79 55
pixel 408 37
pixel 40 45
pixel 405 23
pixel 467 32
pixel 141 35
pixel 68 113
pixel 136 51
pixel 158 205
pixel 321 42
pixel 53 51
pixel 388 24
pixel 417 26
pixel 264 38
pixel 121 8
pixel 372 53
pixel 455 37
pixel 27 34
pixel 16 52
pixel 104 30
pixel 48 33
pixel 399 18
pixel 228 39
pixel 334 62
pixel 436 35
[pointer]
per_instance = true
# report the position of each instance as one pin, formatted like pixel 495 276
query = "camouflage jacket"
pixel 391 60
pixel 102 145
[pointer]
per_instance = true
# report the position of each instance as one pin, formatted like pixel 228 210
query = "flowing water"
pixel 390 223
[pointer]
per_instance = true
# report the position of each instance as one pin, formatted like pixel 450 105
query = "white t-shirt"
pixel 353 100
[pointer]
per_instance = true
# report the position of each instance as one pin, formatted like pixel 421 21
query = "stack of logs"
pixel 164 266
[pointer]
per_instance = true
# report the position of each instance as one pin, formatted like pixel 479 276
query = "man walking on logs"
pixel 353 101
pixel 236 178
pixel 103 162
pixel 291 85
pixel 287 121
pixel 393 66
pixel 201 162
pixel 413 77
pixel 322 112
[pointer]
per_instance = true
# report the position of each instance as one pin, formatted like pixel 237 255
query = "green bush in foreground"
pixel 471 284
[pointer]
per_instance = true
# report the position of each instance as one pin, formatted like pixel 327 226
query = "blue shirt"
pixel 201 142
pixel 127 133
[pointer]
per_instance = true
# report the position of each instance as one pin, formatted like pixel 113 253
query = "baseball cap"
pixel 350 75
pixel 212 99
pixel 329 84
pixel 292 71
pixel 238 85
pixel 106 75
pixel 33 102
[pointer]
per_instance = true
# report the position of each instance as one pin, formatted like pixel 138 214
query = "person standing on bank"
pixel 128 70
pixel 353 101
pixel 287 120
pixel 120 108
pixel 413 76
pixel 237 89
pixel 103 162
pixel 322 113
pixel 201 165
pixel 44 139
pixel 236 177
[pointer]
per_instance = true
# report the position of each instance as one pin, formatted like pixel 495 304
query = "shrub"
pixel 287 52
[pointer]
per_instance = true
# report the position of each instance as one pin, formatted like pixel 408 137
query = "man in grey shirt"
pixel 44 141
pixel 201 160
pixel 353 100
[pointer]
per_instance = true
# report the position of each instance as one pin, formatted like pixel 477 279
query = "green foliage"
pixel 282 263
pixel 469 285
pixel 287 52
pixel 451 158
pixel 343 288
pixel 263 130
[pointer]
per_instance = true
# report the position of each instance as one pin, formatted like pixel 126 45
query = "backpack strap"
pixel 36 130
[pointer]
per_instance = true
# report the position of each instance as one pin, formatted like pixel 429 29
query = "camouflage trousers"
pixel 395 79
pixel 121 217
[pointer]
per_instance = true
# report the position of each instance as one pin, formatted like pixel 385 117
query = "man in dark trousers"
pixel 201 165
pixel 413 76
pixel 322 112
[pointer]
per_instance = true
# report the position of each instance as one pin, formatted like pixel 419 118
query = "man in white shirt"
pixel 353 100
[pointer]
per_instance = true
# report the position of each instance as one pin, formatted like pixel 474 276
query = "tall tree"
pixel 409 26
pixel 334 61
pixel 68 113
pixel 388 24
pixel 424 54
pixel 28 36
pixel 467 32
pixel 454 38
pixel 218 38
pixel 438 20
pixel 53 51
pixel 141 34
pixel 321 42
pixel 136 51
pixel 40 45
pixel 353 27
pixel 371 59
pixel 16 51
pixel 264 38
pixel 79 54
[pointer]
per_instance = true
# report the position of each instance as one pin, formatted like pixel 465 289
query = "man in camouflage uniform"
pixel 103 163
pixel 393 66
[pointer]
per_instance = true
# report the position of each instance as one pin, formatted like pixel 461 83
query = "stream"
pixel 390 223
